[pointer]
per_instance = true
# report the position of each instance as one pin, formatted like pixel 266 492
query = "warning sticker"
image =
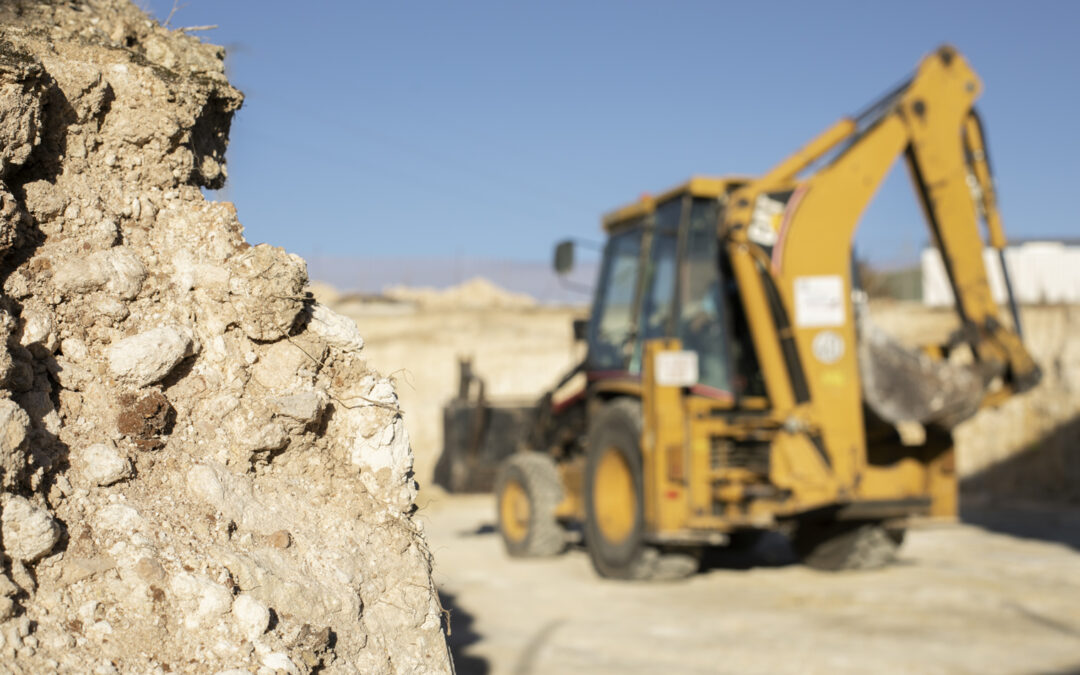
pixel 677 369
pixel 828 347
pixel 819 301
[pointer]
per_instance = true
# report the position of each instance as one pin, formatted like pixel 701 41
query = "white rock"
pixel 254 433
pixel 124 271
pixel 204 484
pixel 335 329
pixel 383 391
pixel 385 461
pixel 111 307
pixel 87 611
pixel 119 518
pixel 189 274
pixel 252 617
pixel 44 199
pixel 99 629
pixel 14 423
pixel 280 661
pixel 79 275
pixel 304 406
pixel 104 232
pixel 29 532
pixel 102 464
pixel 75 349
pixel 17 285
pixel 280 365
pixel 388 449
pixel 118 270
pixel 148 357
pixel 202 600
pixel 38 330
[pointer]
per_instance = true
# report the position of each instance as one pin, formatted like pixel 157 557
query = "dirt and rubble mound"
pixel 476 293
pixel 198 470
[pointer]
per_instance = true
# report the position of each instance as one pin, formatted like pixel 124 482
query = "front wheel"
pixel 614 521
pixel 528 491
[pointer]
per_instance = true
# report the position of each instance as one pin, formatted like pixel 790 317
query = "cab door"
pixel 696 446
pixel 660 278
pixel 612 328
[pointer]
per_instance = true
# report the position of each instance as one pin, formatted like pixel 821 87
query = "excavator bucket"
pixel 905 385
pixel 478 434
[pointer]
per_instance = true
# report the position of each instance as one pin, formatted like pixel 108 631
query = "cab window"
pixel 611 328
pixel 661 277
pixel 701 310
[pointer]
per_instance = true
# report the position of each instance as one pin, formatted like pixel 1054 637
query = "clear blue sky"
pixel 492 129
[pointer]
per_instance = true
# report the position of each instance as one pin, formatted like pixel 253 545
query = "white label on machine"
pixel 676 369
pixel 763 220
pixel 819 301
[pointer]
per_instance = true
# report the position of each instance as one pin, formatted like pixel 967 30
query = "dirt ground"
pixel 963 599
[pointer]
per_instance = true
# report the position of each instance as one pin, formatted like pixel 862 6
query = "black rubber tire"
pixel 537 475
pixel 618 425
pixel 745 540
pixel 846 545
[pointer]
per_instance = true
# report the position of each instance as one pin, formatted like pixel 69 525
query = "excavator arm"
pixel 790 235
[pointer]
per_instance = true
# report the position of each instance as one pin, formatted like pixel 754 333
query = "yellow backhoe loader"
pixel 734 384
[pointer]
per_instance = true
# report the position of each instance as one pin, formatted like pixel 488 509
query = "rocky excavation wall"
pixel 198 471
pixel 1029 448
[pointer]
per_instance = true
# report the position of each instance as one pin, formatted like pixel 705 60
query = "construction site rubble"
pixel 199 472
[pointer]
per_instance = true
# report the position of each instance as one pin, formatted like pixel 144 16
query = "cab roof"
pixel 697 186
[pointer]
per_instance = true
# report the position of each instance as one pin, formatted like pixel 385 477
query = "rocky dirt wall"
pixel 198 470
pixel 1029 448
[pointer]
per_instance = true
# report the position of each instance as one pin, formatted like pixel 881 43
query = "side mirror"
pixel 581 329
pixel 564 257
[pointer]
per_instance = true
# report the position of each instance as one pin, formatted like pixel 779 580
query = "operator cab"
pixel 664 274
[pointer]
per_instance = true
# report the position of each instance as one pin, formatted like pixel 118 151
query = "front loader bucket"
pixel 477 435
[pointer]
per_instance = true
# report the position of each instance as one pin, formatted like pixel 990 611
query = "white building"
pixel 1042 271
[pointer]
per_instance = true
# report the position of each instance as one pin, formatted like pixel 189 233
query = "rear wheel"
pixel 846 545
pixel 614 522
pixel 528 490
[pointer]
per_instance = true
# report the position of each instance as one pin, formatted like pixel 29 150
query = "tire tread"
pixel 540 478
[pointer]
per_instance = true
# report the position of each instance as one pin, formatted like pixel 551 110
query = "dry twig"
pixel 176 6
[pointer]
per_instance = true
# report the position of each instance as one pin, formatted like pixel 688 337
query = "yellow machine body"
pixel 809 422
pixel 734 382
